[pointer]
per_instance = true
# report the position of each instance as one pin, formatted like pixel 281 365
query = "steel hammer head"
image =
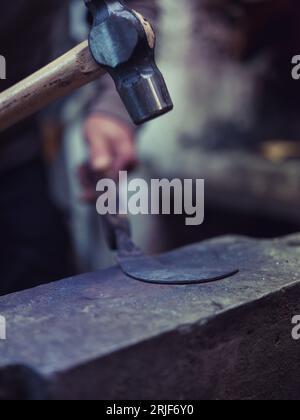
pixel 123 42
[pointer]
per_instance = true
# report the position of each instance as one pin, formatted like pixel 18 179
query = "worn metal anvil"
pixel 105 336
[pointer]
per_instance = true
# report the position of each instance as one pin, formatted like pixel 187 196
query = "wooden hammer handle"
pixel 61 77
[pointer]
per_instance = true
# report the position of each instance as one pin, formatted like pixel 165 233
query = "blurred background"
pixel 235 124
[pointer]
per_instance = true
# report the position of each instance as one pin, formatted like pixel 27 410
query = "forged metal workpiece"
pixel 140 267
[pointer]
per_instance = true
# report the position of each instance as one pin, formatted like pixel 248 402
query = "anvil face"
pixel 102 335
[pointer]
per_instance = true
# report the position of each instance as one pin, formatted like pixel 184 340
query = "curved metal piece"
pixel 151 270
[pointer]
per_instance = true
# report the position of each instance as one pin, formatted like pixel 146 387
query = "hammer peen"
pixel 121 43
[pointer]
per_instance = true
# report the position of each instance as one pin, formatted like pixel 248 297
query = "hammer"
pixel 121 43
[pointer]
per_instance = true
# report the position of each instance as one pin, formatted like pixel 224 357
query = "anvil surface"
pixel 106 336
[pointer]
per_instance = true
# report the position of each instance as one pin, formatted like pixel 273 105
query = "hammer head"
pixel 123 42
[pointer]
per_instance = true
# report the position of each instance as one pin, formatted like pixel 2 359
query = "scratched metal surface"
pixel 61 325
